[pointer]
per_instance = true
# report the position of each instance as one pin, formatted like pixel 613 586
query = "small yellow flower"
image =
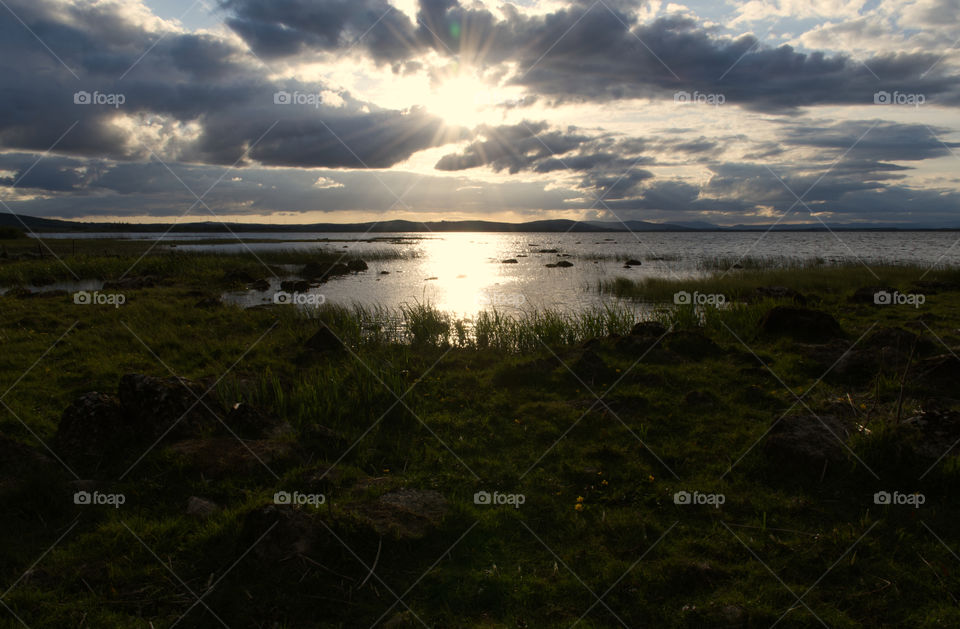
pixel 650 478
pixel 579 499
pixel 578 507
pixel 604 482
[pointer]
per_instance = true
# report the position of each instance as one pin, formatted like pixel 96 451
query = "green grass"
pixel 488 404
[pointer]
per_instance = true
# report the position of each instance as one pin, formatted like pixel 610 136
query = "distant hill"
pixel 37 224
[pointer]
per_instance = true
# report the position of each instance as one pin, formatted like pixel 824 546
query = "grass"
pixel 426 402
pixel 112 259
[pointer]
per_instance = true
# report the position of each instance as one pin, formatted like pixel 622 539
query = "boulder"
pixel 691 344
pixel 357 265
pixel 509 261
pixel 404 513
pixel 295 286
pixel 865 294
pixel 200 508
pixel 802 324
pixel 807 441
pixel 633 262
pixel 158 406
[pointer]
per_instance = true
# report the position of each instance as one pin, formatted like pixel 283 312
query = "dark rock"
pixel 324 341
pixel 384 272
pixel 294 286
pixel 235 276
pixel 357 265
pixel 932 435
pixel 208 303
pixel 777 292
pixel 937 374
pixel 337 269
pixel 247 420
pixel 801 324
pixel 808 441
pixel 865 294
pixel 691 344
pixel 547 251
pixel 509 261
pixel 92 429
pixel 592 369
pixel 561 264
pixel 632 262
pixel 292 532
pixel 200 508
pixel 155 406
pixel 261 285
pixel 405 513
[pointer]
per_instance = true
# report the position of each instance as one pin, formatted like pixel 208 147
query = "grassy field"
pixel 584 432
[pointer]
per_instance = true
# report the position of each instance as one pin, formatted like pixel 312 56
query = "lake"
pixel 464 272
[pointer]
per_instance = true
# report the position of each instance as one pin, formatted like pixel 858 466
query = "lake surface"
pixel 463 272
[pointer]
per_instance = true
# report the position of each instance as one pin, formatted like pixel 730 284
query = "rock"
pixel 547 251
pixel 405 513
pixel 801 324
pixel 93 428
pixel 561 264
pixel 865 294
pixel 632 262
pixel 804 441
pixel 933 434
pixel 155 405
pixel 261 285
pixel 384 272
pixel 777 292
pixel 938 374
pixel 593 369
pixel 208 303
pixel 294 286
pixel 357 265
pixel 293 533
pixel 200 508
pixel 691 344
pixel 509 261
pixel 247 420
pixel 237 276
pixel 648 328
pixel 321 272
pixel 324 341
pixel 131 283
pixel 337 269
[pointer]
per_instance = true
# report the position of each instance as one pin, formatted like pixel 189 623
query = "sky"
pixel 302 111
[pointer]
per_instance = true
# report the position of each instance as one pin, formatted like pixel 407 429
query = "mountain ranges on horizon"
pixel 48 225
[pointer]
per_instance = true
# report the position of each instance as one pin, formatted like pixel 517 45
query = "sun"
pixel 462 99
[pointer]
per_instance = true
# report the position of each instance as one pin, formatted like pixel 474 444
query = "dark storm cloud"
pixel 592 52
pixel 873 139
pixel 187 79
